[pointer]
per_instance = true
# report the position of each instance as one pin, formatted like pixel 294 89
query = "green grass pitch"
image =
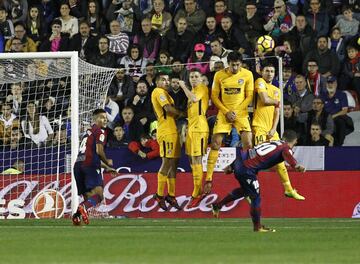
pixel 180 241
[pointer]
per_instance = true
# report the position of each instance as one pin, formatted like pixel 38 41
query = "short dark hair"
pixel 289 135
pixel 313 60
pixel 99 111
pixel 234 56
pixel 159 74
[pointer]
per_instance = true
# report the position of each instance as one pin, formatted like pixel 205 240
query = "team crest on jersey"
pixel 276 93
pixel 162 98
pixel 241 81
pixel 262 85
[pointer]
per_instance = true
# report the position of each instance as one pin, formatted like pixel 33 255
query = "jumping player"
pixel 88 165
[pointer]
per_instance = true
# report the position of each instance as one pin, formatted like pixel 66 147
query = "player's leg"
pixel 197 171
pixel 242 125
pixel 171 181
pixel 216 141
pixel 162 180
pixel 232 196
pixel 285 180
pixel 80 184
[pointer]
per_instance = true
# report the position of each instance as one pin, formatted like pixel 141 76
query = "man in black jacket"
pixel 83 42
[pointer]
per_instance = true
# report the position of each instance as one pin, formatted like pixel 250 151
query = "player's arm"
pixel 189 94
pixel 169 109
pixel 276 119
pixel 101 152
pixel 265 99
pixel 108 168
pixel 289 158
pixel 215 94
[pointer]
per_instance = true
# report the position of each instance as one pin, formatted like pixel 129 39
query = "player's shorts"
pixel 87 178
pixel 260 136
pixel 222 126
pixel 196 143
pixel 169 146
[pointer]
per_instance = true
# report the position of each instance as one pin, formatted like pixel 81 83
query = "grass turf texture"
pixel 180 241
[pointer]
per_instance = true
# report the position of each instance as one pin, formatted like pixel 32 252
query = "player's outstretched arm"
pixel 190 95
pixel 173 111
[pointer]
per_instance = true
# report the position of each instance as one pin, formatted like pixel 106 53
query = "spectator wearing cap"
pixel 279 21
pixel 317 18
pixel 328 61
pixel 195 16
pixel 56 41
pixel 336 105
pixel 218 53
pixel 27 44
pixel 198 59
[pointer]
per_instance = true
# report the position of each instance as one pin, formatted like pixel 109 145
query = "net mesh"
pixel 35 130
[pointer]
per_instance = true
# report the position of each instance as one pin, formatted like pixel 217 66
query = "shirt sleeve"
pixel 288 157
pixel 162 98
pixel 100 137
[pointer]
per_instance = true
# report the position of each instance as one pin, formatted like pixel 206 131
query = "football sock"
pixel 171 186
pixel 91 201
pixel 213 155
pixel 255 213
pixel 234 195
pixel 161 184
pixel 284 176
pixel 197 172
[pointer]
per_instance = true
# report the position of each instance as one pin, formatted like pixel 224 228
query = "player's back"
pixel 87 150
pixel 197 111
pixel 264 114
pixel 266 155
pixel 166 122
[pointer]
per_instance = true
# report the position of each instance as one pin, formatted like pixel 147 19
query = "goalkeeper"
pixel 87 169
pixel 246 167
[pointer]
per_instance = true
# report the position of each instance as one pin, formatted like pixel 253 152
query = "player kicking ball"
pixel 87 168
pixel 246 168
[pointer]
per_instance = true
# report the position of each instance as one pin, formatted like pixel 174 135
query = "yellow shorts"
pixel 196 143
pixel 260 136
pixel 169 146
pixel 222 126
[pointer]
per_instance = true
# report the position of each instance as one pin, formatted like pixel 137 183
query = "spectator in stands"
pixel 317 18
pixel 17 10
pixel 94 18
pixel 48 11
pixel 279 21
pixel 233 38
pixel 328 61
pixel 237 7
pixel 350 75
pixel 337 43
pixel 18 167
pixel 112 112
pixel 104 57
pixel 116 140
pixel 6 25
pixel 179 70
pixel 291 55
pixel 134 62
pixel 302 99
pixel 148 40
pixel 77 9
pixel 69 23
pixel 149 77
pixel 7 122
pixel 48 109
pixel 163 62
pixel 147 148
pixel 336 105
pixel 141 104
pixel 198 59
pixel 291 121
pixel 195 16
pixel 221 10
pixel 218 53
pixel 83 42
pixel 35 26
pixel 132 127
pixel 160 19
pixel 128 15
pixel 16 45
pixel 56 41
pixel 348 25
pixel 208 33
pixel 316 138
pixel 178 41
pixel 119 41
pixel 315 81
pixel 28 45
pixel 60 135
pixel 302 34
pixel 16 98
pixel 18 141
pixel 145 6
pixel 252 23
pixel 36 126
pixel 289 86
pixel 121 88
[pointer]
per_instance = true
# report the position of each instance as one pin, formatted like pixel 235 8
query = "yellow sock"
pixel 213 155
pixel 171 186
pixel 284 176
pixel 197 172
pixel 161 184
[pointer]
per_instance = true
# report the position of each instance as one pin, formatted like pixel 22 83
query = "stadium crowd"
pixel 317 39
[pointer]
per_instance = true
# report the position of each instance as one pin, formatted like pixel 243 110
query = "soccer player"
pixel 266 119
pixel 88 165
pixel 198 130
pixel 246 168
pixel 232 92
pixel 168 139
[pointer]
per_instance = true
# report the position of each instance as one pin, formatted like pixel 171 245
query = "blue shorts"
pixel 87 178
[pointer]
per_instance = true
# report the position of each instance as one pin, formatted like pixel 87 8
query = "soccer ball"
pixel 265 43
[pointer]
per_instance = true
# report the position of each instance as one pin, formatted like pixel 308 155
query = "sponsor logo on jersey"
pixel 230 91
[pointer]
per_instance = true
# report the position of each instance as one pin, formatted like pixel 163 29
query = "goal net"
pixel 46 103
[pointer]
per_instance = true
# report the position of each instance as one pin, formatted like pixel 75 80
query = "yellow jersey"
pixel 264 114
pixel 166 123
pixel 197 121
pixel 230 90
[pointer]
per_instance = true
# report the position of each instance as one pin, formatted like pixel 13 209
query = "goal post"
pixel 54 84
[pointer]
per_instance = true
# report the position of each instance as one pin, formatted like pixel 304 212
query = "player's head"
pixel 290 137
pixel 99 116
pixel 268 72
pixel 234 60
pixel 162 80
pixel 195 77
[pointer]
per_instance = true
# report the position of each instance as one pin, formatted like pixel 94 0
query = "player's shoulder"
pixel 246 73
pixel 260 82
